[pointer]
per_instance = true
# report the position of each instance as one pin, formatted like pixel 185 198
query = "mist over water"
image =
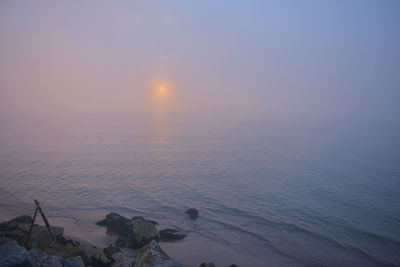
pixel 278 120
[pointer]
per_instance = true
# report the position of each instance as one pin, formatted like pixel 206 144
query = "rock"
pixel 125 262
pixel 65 252
pixel 24 219
pixel 72 242
pixel 167 263
pixel 50 261
pixel 73 262
pixel 4 240
pixel 115 223
pixel 150 254
pixel 40 237
pixel 193 213
pixel 20 223
pixel 171 234
pixel 39 258
pixel 140 217
pixel 36 256
pixel 12 255
pixel 101 260
pixel 109 251
pixel 18 236
pixel 141 232
pixel 207 264
pixel 8 226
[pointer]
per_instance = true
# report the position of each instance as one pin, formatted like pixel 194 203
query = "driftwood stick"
pixel 30 228
pixel 45 220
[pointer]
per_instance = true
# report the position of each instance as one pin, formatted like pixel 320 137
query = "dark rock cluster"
pixel 13 255
pixel 134 233
pixel 43 251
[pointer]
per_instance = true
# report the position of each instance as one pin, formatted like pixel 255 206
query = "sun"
pixel 161 91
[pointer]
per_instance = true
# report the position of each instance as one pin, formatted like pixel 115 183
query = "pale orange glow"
pixel 161 91
pixel 162 96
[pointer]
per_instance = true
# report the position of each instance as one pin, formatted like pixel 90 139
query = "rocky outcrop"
pixel 125 262
pixel 49 261
pixel 16 228
pixel 133 233
pixel 12 255
pixel 150 255
pixel 44 251
pixel 153 255
pixel 36 256
pixel 101 260
pixel 115 223
pixel 17 224
pixel 140 233
pixel 171 234
pixel 193 213
pixel 73 262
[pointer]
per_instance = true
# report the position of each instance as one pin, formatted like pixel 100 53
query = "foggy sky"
pixel 292 61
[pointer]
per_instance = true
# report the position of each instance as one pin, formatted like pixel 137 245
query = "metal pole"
pixel 45 220
pixel 30 228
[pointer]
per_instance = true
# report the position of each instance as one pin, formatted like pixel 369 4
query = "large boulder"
pixel 171 234
pixel 66 251
pixel 133 233
pixel 140 217
pixel 50 261
pixel 101 260
pixel 38 258
pixel 115 223
pixel 20 223
pixel 193 213
pixel 12 255
pixel 125 262
pixel 141 232
pixel 25 219
pixel 73 262
pixel 153 255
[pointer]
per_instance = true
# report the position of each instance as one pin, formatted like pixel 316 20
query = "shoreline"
pixel 187 251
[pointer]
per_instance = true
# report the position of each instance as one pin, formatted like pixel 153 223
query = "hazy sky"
pixel 293 61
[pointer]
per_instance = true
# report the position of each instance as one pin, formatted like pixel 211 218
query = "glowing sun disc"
pixel 161 92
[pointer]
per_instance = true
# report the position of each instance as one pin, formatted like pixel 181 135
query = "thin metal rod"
pixel 45 220
pixel 30 228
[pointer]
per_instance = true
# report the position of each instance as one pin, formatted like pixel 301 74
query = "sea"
pixel 268 194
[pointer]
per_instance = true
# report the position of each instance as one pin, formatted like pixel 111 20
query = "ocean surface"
pixel 268 195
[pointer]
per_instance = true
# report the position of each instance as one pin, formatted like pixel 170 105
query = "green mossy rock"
pixel 141 232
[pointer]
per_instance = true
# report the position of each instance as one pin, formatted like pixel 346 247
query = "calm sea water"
pixel 267 195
